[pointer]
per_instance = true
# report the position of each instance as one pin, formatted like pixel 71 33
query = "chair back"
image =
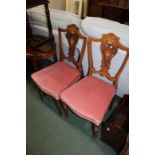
pixel 109 47
pixel 72 35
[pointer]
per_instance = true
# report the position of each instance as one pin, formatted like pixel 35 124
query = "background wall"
pixel 57 4
pixel 85 8
pixel 61 5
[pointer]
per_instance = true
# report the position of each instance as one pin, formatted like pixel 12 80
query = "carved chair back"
pixel 109 48
pixel 72 35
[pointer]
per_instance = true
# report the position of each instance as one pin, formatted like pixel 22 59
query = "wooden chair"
pixel 91 97
pixel 55 78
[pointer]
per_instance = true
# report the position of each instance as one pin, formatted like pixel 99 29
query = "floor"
pixel 50 134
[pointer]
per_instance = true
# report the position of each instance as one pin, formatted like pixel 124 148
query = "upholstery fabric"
pixel 89 98
pixel 95 27
pixel 55 78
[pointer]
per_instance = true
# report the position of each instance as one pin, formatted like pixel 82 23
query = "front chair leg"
pixel 41 94
pixel 58 105
pixel 95 129
pixel 65 108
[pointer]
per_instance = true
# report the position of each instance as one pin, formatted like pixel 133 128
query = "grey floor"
pixel 50 134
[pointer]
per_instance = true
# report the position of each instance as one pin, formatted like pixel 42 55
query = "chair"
pixel 55 78
pixel 91 97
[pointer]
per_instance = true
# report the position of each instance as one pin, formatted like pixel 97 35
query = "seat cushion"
pixel 55 78
pixel 89 98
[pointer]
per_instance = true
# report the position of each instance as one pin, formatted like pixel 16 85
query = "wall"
pixel 61 5
pixel 57 4
pixel 85 8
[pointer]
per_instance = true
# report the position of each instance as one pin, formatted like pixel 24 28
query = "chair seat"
pixel 89 98
pixel 55 78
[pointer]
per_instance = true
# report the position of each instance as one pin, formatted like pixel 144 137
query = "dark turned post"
pixel 34 3
pixel 28 28
pixel 38 47
pixel 49 21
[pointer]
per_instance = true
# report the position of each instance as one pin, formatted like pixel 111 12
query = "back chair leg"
pixel 65 108
pixel 95 129
pixel 111 104
pixel 58 105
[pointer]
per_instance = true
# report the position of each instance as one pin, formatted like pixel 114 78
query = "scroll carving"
pixel 72 38
pixel 73 35
pixel 109 47
pixel 109 50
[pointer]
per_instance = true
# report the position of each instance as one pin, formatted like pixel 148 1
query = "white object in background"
pixel 59 18
pixel 74 6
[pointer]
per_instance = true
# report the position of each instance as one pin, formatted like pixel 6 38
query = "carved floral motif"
pixel 73 35
pixel 109 47
pixel 72 38
pixel 109 50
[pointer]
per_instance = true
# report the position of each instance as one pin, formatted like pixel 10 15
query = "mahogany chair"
pixel 91 97
pixel 55 78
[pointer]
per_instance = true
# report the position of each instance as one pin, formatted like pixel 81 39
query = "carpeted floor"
pixel 50 134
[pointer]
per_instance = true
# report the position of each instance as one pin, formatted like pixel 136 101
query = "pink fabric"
pixel 55 78
pixel 89 98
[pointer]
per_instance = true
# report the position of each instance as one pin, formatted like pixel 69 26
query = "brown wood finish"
pixel 122 4
pixel 34 3
pixel 95 130
pixel 37 47
pixel 58 105
pixel 117 10
pixel 109 47
pixel 65 108
pixel 116 128
pixel 73 35
pixel 45 51
pixel 125 150
pixel 49 22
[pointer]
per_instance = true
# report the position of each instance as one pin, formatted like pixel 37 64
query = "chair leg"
pixel 58 105
pixel 41 94
pixel 111 104
pixel 95 129
pixel 65 108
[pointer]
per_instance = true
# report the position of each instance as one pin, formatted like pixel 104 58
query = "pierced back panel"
pixel 72 35
pixel 109 48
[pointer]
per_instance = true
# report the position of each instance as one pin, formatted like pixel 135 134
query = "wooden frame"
pixel 73 35
pixel 109 47
pixel 74 6
pixel 39 47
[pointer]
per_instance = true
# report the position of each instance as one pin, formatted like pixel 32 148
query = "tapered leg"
pixel 58 105
pixel 95 129
pixel 65 108
pixel 41 94
pixel 111 104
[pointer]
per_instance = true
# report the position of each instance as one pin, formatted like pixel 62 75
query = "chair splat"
pixel 72 35
pixel 109 48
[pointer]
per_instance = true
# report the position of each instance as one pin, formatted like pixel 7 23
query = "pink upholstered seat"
pixel 89 98
pixel 54 79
